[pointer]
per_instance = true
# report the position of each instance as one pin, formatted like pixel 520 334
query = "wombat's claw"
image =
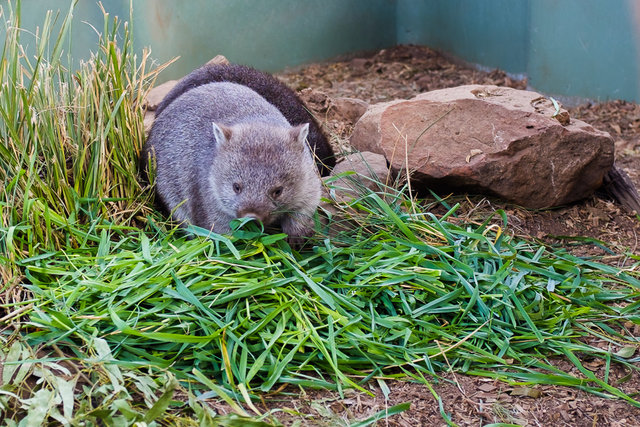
pixel 296 242
pixel 297 232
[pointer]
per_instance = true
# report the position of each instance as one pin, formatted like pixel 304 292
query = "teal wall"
pixel 584 48
pixel 566 48
pixel 84 38
pixel 264 33
pixel 267 34
pixel 488 32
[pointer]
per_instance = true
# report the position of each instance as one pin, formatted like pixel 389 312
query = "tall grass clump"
pixel 69 143
pixel 70 139
pixel 123 310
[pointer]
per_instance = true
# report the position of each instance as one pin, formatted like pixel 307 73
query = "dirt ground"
pixel 406 71
pixel 403 72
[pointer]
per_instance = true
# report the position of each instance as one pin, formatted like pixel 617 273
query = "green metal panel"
pixel 493 33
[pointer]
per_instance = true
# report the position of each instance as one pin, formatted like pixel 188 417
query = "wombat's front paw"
pixel 296 242
pixel 298 229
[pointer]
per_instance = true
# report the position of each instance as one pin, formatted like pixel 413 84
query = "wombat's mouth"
pixel 269 227
pixel 264 218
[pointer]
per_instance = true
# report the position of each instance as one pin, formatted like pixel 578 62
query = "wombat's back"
pixel 271 89
pixel 185 126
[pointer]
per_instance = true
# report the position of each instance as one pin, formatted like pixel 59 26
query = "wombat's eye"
pixel 276 192
pixel 237 187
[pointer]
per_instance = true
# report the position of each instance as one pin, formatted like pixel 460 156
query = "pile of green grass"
pixel 130 302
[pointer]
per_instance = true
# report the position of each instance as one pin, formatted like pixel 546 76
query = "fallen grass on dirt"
pixel 124 310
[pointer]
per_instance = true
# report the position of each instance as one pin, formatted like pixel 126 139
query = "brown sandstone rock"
pixel 494 140
pixel 349 109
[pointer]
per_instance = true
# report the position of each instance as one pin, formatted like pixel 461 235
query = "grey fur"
pixel 223 152
pixel 271 89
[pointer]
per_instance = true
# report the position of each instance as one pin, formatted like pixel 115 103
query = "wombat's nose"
pixel 252 214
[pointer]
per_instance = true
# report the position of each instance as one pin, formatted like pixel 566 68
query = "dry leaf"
pixel 626 351
pixel 526 391
pixel 486 387
pixel 616 127
pixel 594 365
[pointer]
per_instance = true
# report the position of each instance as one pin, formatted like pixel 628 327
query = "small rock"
pixel 219 60
pixel 360 66
pixel 149 117
pixel 349 109
pixel 157 94
pixel 317 98
pixel 423 82
pixel 494 140
pixel 370 170
pixel 564 118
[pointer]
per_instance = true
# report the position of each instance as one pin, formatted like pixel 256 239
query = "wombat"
pixel 223 152
pixel 271 89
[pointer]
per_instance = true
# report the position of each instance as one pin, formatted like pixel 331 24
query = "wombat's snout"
pixel 246 213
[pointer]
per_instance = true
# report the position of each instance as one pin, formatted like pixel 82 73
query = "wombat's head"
pixel 264 171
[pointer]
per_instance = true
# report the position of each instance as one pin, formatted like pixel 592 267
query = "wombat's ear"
pixel 221 133
pixel 299 133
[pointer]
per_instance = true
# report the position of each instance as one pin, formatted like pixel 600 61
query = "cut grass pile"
pixel 252 312
pixel 119 304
